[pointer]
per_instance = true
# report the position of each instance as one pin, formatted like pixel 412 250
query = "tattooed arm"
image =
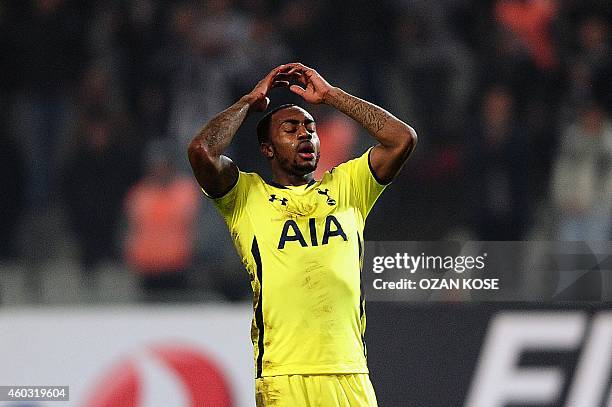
pixel 396 139
pixel 217 173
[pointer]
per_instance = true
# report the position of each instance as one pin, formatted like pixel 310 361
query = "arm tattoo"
pixel 219 131
pixel 372 117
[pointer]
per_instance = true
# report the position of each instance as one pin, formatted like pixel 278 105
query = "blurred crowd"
pixel 512 100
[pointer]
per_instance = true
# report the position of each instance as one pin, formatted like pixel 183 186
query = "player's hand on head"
pixel 314 88
pixel 277 77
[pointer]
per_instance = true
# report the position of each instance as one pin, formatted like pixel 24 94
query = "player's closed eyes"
pixel 293 129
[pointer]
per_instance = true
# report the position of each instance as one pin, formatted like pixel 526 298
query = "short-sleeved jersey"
pixel 303 248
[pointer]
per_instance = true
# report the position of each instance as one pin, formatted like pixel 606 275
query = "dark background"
pixel 510 98
pixel 99 99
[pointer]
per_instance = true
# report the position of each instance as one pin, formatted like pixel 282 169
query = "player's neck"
pixel 287 179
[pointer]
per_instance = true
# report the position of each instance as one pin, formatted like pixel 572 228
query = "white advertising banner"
pixel 180 356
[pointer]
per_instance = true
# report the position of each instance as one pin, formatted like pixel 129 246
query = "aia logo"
pixel 175 376
pixel 330 201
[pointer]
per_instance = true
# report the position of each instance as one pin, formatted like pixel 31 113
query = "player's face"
pixel 294 140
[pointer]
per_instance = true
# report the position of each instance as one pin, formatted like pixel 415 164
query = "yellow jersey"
pixel 303 249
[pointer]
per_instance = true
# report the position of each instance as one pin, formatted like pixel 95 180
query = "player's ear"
pixel 267 150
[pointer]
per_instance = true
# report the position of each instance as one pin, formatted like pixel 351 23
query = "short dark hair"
pixel 263 125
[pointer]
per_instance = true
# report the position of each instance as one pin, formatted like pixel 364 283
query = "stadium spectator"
pixel 531 21
pixel 139 35
pixel 435 72
pixel 95 179
pixel 202 59
pixel 51 51
pixel 99 91
pixel 338 137
pixel 590 66
pixel 263 48
pixel 498 167
pixel 160 211
pixel 12 198
pixel 582 184
pixel 299 19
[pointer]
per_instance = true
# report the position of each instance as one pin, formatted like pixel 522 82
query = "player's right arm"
pixel 215 172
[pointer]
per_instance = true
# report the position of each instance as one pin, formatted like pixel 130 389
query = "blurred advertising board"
pixel 130 356
pixel 436 354
pixel 491 354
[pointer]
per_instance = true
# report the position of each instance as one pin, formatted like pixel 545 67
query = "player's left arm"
pixel 396 139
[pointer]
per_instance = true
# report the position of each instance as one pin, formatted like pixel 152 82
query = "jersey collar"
pixel 277 185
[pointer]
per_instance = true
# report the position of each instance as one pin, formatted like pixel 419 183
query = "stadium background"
pixel 98 100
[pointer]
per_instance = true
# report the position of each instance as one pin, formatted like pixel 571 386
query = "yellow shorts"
pixel 344 390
